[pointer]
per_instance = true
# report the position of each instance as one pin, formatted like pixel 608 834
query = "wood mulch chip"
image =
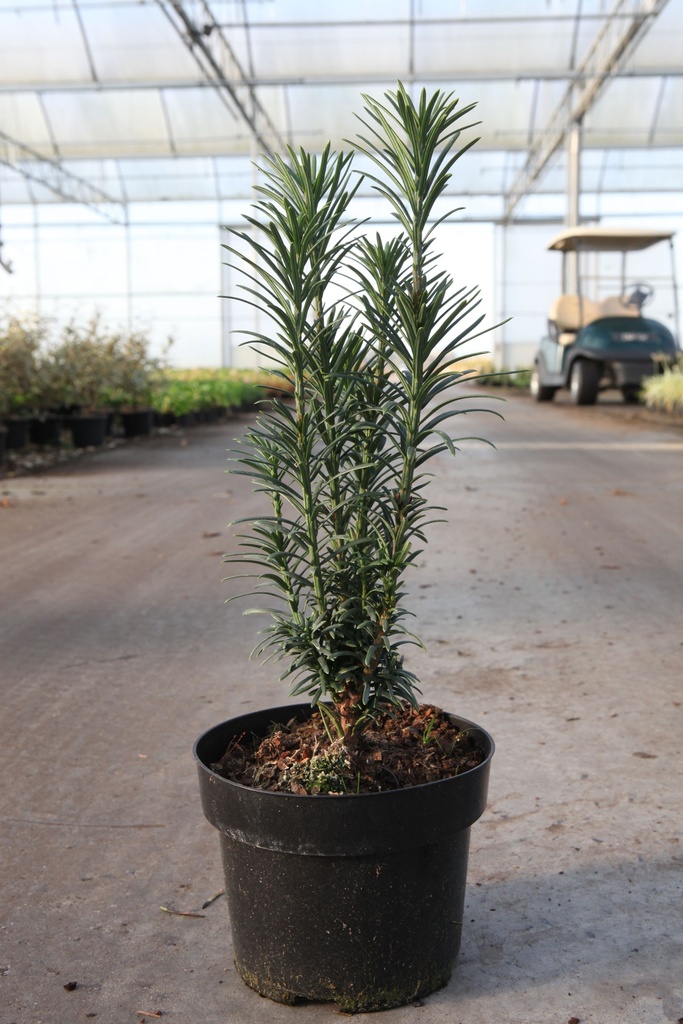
pixel 406 748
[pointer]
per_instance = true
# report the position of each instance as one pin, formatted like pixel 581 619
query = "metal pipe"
pixel 677 321
pixel 573 200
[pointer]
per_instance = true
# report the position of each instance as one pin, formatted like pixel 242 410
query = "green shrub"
pixel 134 373
pixel 665 390
pixel 204 390
pixel 20 344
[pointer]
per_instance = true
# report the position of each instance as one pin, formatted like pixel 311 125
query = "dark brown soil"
pixel 404 748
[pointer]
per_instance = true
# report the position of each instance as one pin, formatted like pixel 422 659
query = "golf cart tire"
pixel 540 392
pixel 584 380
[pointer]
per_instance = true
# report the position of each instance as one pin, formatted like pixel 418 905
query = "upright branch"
pixel 365 332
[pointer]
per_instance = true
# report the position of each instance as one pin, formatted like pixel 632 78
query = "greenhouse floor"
pixel 550 608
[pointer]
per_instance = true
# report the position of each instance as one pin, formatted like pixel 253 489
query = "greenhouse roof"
pixel 107 102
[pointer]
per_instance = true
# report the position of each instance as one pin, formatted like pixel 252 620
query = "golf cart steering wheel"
pixel 638 294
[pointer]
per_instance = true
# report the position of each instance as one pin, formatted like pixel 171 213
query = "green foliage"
pixel 20 344
pixel 372 371
pixel 132 373
pixel 204 390
pixel 318 774
pixel 91 366
pixel 503 378
pixel 97 368
pixel 665 390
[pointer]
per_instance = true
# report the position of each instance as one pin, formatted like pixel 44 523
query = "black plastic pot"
pixel 137 422
pixel 88 431
pixel 17 431
pixel 187 419
pixel 164 419
pixel 356 900
pixel 46 429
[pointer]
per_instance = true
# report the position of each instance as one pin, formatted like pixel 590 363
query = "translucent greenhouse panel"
pixel 505 46
pixel 545 101
pixel 509 8
pixel 19 291
pixel 307 52
pixel 235 177
pixel 103 174
pixel 503 111
pixel 193 325
pixel 661 48
pixel 174 259
pixel 668 126
pixel 23 118
pixel 528 278
pixel 283 11
pixel 240 320
pixel 135 43
pixel 181 178
pixel 13 189
pixel 642 170
pixel 201 122
pixel 108 123
pixel 625 114
pixel 82 262
pixel 467 255
pixel 41 43
pixel 326 112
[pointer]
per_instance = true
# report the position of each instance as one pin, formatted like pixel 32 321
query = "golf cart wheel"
pixel 631 394
pixel 583 384
pixel 540 392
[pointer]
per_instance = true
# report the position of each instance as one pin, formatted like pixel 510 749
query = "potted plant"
pixel 345 820
pixel 47 399
pixel 135 376
pixel 20 342
pixel 84 362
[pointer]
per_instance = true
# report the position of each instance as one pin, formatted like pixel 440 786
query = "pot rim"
pixel 321 825
pixel 466 722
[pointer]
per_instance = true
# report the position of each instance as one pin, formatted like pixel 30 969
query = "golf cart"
pixel 602 340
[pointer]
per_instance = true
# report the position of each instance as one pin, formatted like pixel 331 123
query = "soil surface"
pixel 407 747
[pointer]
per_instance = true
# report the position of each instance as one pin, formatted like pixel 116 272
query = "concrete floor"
pixel 551 607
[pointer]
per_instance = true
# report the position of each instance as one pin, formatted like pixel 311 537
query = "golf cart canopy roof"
pixel 606 239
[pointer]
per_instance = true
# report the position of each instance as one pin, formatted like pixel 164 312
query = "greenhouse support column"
pixel 573 201
pixel 500 278
pixel 36 261
pixel 129 273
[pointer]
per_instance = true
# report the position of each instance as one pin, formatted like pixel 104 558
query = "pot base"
pixel 367 933
pixel 371 1002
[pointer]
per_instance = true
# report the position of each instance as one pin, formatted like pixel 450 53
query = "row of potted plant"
pixel 88 376
pixel 85 365
pixel 204 393
pixel 85 371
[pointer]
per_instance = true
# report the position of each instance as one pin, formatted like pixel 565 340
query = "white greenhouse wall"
pixel 467 254
pixel 160 273
pixel 164 272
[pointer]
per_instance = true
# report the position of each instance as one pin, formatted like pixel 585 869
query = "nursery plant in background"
pixel 83 361
pixel 664 391
pixel 134 377
pixel 345 820
pixel 20 343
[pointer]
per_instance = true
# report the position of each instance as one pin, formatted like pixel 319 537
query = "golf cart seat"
pixel 570 313
pixel 614 305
